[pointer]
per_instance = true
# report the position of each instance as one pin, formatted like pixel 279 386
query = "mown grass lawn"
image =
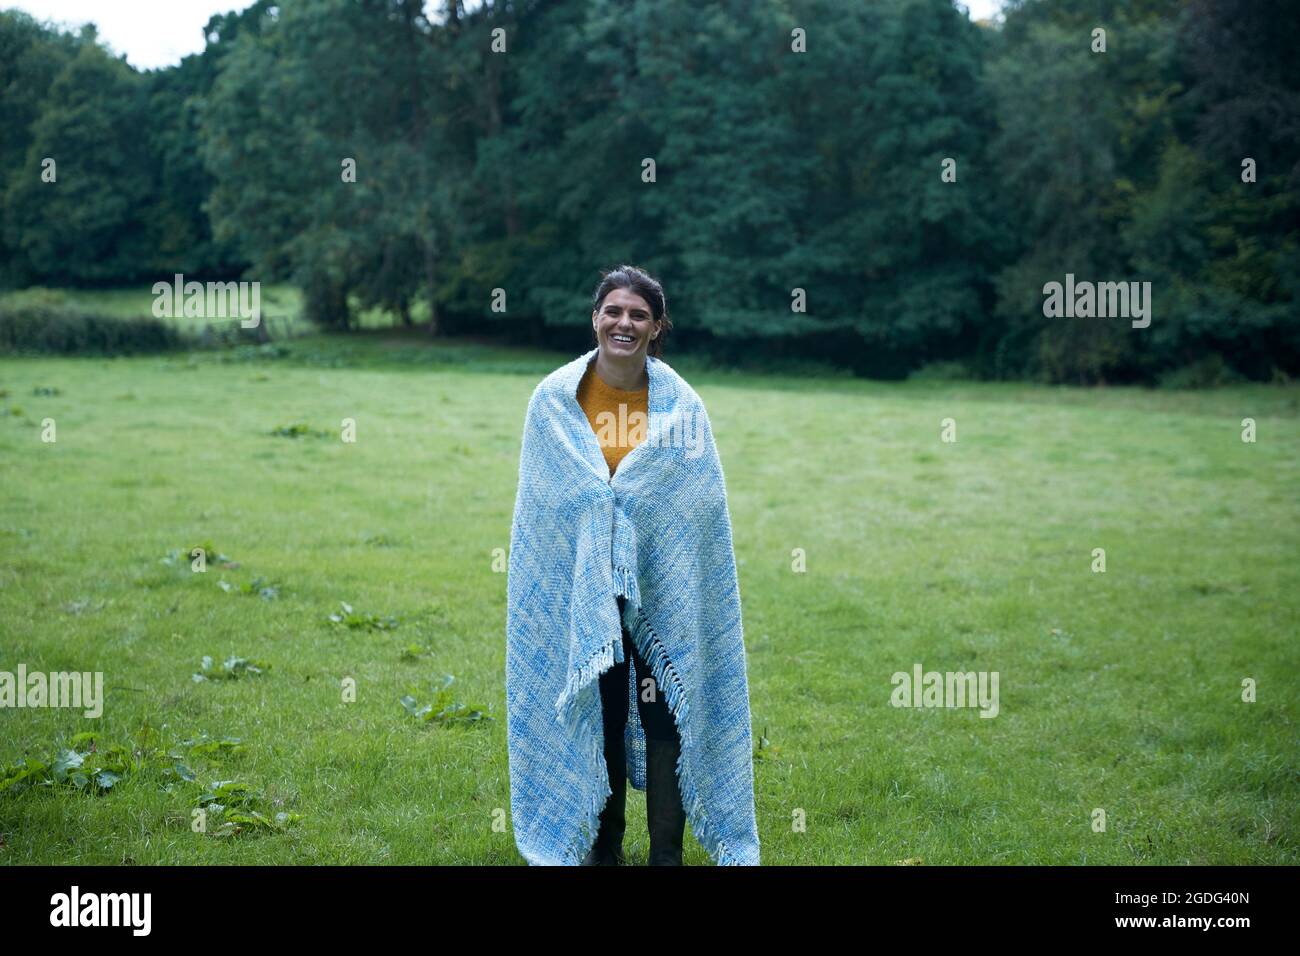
pixel 1119 691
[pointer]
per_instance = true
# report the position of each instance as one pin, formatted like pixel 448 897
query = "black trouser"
pixel 656 718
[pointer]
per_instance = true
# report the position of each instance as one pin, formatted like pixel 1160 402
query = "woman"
pixel 621 546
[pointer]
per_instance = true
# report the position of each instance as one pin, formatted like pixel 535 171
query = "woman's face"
pixel 623 325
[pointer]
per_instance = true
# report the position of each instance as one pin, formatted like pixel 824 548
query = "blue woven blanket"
pixel 657 533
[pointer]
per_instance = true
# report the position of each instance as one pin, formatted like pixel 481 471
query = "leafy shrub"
pixel 1208 372
pixel 947 371
pixel 46 323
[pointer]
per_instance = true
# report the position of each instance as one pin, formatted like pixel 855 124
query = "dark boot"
pixel 608 847
pixel 665 816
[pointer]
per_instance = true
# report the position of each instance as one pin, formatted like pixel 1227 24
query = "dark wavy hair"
pixel 647 287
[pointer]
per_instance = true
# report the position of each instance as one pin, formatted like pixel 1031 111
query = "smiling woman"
pixel 606 540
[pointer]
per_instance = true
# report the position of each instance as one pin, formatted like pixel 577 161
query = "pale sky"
pixel 157 33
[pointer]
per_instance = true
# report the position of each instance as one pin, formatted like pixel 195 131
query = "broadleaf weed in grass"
pixel 231 668
pixel 83 764
pixel 300 430
pixel 444 708
pixel 764 749
pixel 232 808
pixel 355 619
pixel 260 586
pixel 415 652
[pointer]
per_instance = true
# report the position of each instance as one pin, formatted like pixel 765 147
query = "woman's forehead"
pixel 625 297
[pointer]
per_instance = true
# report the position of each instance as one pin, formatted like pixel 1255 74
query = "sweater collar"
pixel 660 399
pixel 660 394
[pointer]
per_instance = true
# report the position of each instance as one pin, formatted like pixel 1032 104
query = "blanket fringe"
pixel 666 678
pixel 625 586
pixel 603 791
pixel 665 675
pixel 597 664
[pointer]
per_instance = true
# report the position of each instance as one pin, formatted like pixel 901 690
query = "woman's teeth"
pixel 622 338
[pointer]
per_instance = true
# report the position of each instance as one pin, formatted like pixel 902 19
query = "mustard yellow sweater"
pixel 618 417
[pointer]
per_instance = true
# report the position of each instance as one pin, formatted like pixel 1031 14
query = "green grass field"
pixel 1119 691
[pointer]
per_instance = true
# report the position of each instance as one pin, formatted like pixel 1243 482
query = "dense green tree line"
pixel 886 184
